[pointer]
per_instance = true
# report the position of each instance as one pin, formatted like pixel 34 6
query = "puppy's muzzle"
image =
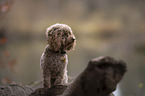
pixel 73 38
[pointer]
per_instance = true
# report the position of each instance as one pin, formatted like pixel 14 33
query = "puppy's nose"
pixel 73 38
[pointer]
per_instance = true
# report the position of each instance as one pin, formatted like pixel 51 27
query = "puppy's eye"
pixel 65 35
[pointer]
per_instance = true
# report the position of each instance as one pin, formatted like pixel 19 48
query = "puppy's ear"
pixel 54 41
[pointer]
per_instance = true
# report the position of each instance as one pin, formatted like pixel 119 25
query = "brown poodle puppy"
pixel 54 59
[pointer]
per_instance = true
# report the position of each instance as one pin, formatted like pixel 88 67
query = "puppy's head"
pixel 60 37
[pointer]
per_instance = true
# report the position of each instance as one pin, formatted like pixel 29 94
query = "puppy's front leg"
pixel 46 79
pixel 59 79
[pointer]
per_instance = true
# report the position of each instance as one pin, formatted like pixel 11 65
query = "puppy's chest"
pixel 56 61
pixel 59 60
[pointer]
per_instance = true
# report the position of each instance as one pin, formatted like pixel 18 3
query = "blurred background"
pixel 102 28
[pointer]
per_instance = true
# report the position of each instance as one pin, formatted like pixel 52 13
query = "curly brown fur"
pixel 54 59
pixel 60 37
